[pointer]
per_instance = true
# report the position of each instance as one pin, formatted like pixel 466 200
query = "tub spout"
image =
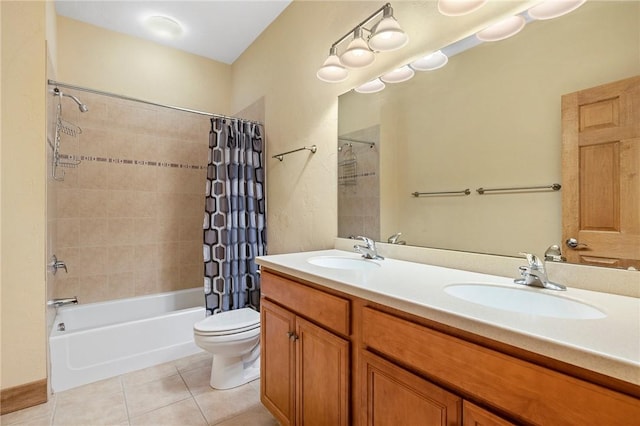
pixel 56 303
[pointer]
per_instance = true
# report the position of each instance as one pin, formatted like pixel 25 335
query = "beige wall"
pixel 92 57
pixel 23 193
pixel 302 110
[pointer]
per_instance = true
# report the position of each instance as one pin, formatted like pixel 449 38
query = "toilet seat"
pixel 229 322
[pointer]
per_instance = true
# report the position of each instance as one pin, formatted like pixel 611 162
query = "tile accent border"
pixel 23 396
pixel 135 162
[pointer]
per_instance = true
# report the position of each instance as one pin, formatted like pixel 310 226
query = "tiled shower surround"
pixel 127 221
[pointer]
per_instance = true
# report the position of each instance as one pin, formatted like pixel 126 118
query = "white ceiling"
pixel 216 29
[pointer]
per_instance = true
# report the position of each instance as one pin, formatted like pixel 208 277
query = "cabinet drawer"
pixel 527 391
pixel 325 309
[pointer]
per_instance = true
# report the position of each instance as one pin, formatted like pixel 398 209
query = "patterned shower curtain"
pixel 234 220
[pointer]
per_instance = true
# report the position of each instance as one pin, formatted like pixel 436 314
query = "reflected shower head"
pixel 81 106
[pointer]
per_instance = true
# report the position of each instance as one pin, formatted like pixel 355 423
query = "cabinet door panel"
pixel 393 396
pixel 323 376
pixel 277 357
pixel 472 415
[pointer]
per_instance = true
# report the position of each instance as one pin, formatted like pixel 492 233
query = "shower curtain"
pixel 234 220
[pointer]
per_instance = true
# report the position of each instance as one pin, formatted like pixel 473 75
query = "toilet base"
pixel 231 372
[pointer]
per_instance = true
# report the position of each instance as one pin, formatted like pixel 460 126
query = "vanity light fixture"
pixel 358 53
pixel 365 41
pixel 398 75
pixel 430 62
pixel 387 35
pixel 163 26
pixel 372 86
pixel 332 71
pixel 498 31
pixel 501 30
pixel 550 9
pixel 459 7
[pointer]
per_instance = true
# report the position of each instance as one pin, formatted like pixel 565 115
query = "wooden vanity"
pixel 331 358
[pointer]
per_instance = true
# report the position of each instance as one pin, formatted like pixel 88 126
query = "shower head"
pixel 81 106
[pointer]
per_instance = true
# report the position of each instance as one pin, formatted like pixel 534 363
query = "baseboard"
pixel 23 396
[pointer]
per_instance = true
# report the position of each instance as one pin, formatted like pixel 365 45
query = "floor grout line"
pixel 124 395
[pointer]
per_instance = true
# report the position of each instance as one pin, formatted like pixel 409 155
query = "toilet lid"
pixel 230 321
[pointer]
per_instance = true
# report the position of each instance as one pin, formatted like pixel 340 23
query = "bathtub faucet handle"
pixel 57 264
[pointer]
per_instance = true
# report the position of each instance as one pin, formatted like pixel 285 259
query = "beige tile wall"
pixel 359 198
pixel 123 226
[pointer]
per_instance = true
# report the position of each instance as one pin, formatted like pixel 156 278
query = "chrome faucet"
pixel 534 274
pixel 56 303
pixel 554 254
pixel 368 251
pixel 394 239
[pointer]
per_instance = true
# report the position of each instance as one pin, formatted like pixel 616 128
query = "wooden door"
pixel 393 396
pixel 322 391
pixel 601 174
pixel 277 358
pixel 472 415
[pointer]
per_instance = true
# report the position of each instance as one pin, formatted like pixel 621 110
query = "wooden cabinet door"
pixel 322 367
pixel 277 358
pixel 393 396
pixel 601 174
pixel 472 415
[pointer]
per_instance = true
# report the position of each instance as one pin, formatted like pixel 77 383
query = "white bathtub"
pixel 105 339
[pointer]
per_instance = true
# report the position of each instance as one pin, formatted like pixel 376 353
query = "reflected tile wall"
pixel 128 219
pixel 359 186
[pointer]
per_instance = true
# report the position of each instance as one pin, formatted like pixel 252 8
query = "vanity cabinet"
pixel 393 396
pixel 527 392
pixel 330 358
pixel 305 365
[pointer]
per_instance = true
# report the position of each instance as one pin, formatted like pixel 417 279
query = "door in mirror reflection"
pixel 601 174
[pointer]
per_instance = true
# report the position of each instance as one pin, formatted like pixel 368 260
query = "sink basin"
pixel 337 262
pixel 524 301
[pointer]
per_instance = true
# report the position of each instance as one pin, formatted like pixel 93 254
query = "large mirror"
pixel 490 118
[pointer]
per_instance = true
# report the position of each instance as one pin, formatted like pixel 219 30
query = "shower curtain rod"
pixel 127 98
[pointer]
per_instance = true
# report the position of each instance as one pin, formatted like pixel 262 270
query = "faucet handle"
pixel 533 260
pixel 394 238
pixel 368 241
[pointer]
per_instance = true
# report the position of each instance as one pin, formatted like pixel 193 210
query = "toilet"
pixel 233 337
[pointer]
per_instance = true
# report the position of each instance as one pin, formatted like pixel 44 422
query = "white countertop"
pixel 609 345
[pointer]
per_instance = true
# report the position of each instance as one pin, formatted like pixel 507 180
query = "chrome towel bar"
pixel 463 192
pixel 311 148
pixel 553 187
pixel 350 141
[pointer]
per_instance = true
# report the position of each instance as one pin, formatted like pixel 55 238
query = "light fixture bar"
pixel 361 25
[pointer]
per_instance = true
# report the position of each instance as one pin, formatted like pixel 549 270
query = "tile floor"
pixel 173 394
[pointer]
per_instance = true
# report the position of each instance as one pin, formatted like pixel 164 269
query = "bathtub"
pixel 95 341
